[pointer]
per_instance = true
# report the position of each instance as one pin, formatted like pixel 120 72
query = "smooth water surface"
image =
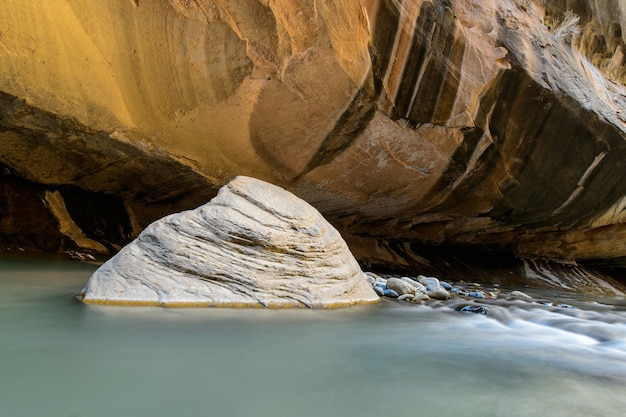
pixel 59 357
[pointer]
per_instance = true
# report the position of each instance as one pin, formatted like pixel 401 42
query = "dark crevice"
pixel 101 217
pixel 99 178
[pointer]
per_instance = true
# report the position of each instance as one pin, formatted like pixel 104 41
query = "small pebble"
pixel 476 294
pixel 439 294
pixel 418 298
pixel 520 294
pixel 372 275
pixel 424 288
pixel 390 293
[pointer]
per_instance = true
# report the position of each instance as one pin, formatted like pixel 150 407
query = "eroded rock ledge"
pixel 254 245
pixel 495 125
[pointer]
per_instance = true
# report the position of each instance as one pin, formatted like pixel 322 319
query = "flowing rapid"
pixel 558 354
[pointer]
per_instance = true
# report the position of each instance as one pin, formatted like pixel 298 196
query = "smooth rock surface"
pixel 433 288
pixel 419 287
pixel 476 294
pixel 431 283
pixel 253 245
pixel 439 294
pixel 407 124
pixel 419 298
pixel 520 294
pixel 390 293
pixel 405 297
pixel 400 286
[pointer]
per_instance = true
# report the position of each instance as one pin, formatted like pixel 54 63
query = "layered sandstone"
pixel 498 125
pixel 254 245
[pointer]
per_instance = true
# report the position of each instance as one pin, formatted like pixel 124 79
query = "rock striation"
pixel 498 125
pixel 254 245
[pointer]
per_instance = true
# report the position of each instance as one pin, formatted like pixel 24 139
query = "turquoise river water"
pixel 61 358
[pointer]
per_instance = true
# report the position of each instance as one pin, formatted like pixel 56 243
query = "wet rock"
pixel 445 285
pixel 400 286
pixel 430 283
pixel 382 285
pixel 405 297
pixel 433 288
pixel 382 281
pixel 417 285
pixel 253 245
pixel 81 256
pixel 520 294
pixel 390 294
pixel 476 294
pixel 420 298
pixel 570 277
pixel 479 309
pixel 439 294
pixel 379 290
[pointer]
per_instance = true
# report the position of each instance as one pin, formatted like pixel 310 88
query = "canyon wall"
pixel 411 125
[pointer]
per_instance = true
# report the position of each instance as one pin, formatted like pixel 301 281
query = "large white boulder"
pixel 253 245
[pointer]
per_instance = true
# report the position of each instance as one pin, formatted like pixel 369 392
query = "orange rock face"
pixel 406 123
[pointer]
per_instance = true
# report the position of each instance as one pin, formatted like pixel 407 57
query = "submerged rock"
pixel 254 245
pixel 479 309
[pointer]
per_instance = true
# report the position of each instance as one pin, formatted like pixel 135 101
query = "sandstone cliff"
pixel 408 124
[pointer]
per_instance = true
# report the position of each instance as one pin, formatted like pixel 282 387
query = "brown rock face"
pixel 483 124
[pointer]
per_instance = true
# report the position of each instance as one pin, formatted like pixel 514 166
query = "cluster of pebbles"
pixel 422 289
